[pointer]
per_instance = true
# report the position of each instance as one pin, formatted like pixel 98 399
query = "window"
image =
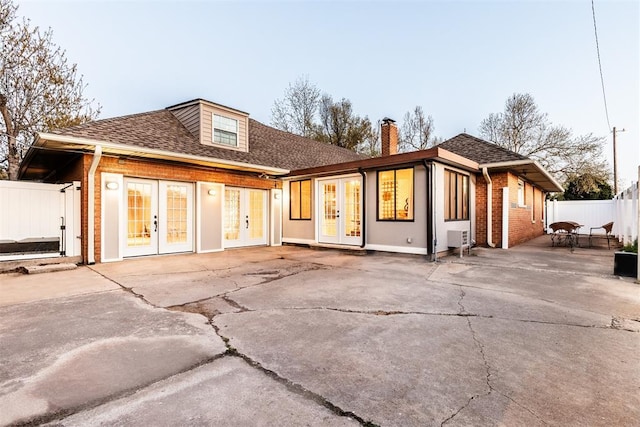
pixel 225 131
pixel 395 195
pixel 300 199
pixel 521 195
pixel 456 196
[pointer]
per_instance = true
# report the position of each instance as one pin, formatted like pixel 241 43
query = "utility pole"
pixel 615 162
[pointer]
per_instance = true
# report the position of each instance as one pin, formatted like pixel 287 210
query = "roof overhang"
pixel 528 169
pixel 50 152
pixel 432 154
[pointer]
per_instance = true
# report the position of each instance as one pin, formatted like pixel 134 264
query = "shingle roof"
pixel 161 130
pixel 479 150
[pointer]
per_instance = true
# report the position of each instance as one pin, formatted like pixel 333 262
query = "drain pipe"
pixel 487 179
pixel 363 209
pixel 429 178
pixel 91 206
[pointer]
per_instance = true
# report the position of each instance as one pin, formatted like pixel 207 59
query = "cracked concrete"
pixel 530 336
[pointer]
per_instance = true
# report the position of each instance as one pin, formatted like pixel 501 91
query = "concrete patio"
pixel 533 335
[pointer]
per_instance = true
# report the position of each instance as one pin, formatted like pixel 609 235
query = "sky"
pixel 458 60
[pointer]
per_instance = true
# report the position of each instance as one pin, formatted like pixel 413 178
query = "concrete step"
pixel 49 268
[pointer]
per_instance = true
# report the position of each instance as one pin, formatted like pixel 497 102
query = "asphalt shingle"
pixel 479 150
pixel 161 130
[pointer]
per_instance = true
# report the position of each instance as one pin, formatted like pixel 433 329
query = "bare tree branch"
pixel 39 89
pixel 522 128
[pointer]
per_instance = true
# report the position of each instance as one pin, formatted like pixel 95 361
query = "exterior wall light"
pixel 276 196
pixel 112 185
pixel 211 192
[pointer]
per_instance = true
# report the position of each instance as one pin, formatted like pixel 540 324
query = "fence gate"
pixel 39 220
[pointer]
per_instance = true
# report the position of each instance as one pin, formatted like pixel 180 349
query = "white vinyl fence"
pixel 32 211
pixel 622 210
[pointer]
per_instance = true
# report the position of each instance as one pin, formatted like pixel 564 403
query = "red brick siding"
pixel 157 170
pixel 521 227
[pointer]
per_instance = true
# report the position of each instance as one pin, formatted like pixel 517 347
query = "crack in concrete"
pixel 462 313
pixel 487 368
pixel 521 406
pixel 234 304
pixel 289 385
pixel 610 326
pixel 126 289
pixel 462 295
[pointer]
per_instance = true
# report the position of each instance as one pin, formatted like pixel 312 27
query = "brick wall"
pixel 161 171
pixel 525 223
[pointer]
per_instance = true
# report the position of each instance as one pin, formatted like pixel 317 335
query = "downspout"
pixel 487 178
pixel 363 212
pixel 430 228
pixel 91 206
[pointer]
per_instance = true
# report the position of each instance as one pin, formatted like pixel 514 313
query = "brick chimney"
pixel 389 137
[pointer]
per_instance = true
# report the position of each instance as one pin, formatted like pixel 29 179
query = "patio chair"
pixel 607 233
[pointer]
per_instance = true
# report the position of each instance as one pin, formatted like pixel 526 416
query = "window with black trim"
pixel 395 195
pixel 456 196
pixel 300 199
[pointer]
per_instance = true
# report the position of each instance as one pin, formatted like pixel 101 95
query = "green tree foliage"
pixel 587 187
pixel 39 89
pixel 522 128
pixel 417 131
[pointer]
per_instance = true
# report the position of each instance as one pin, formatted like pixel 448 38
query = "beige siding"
pixel 297 231
pixel 190 118
pixel 206 126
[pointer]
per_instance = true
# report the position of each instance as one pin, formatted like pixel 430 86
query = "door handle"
pixel 247 220
pixel 155 223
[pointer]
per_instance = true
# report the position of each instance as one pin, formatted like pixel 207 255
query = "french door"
pixel 245 217
pixel 159 217
pixel 340 211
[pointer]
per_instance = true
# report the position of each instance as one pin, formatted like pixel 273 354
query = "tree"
pixel 39 89
pixel 587 186
pixel 296 111
pixel 305 112
pixel 522 128
pixel 417 131
pixel 340 126
pixel 370 146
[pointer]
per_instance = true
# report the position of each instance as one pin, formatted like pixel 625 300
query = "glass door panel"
pixel 256 215
pixel 245 217
pixel 351 211
pixel 232 215
pixel 176 217
pixel 340 218
pixel 330 214
pixel 142 217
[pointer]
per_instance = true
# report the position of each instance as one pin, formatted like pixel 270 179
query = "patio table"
pixel 565 231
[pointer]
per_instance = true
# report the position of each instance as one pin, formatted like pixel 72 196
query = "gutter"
pixel 160 154
pixel 91 206
pixel 487 179
pixel 514 163
pixel 363 212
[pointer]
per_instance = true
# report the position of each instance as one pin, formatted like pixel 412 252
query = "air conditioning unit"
pixel 458 239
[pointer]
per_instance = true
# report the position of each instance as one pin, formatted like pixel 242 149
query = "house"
pixel 202 177
pixel 196 176
pixel 510 192
pixel 405 202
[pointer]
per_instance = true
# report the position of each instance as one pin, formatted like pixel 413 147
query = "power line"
pixel 604 96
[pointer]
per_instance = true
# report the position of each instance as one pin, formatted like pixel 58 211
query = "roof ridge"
pixel 108 120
